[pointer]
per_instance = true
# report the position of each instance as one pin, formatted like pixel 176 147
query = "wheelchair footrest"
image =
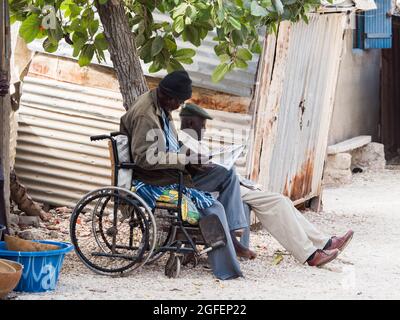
pixel 194 233
pixel 214 246
pixel 213 231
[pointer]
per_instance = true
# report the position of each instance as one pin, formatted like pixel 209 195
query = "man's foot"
pixel 340 243
pixel 241 250
pixel 246 253
pixel 239 233
pixel 322 257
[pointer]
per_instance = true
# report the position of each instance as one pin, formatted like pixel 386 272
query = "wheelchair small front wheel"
pixel 173 266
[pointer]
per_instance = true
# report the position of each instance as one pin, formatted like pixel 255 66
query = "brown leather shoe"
pixel 322 257
pixel 340 243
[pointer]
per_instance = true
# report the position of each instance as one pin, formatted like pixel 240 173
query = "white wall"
pixel 356 108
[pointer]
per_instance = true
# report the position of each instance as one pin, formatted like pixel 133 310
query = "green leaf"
pixel 13 18
pixel 93 27
pixel 278 6
pixel 278 258
pixel 224 58
pixel 188 21
pixel 180 10
pixel 100 55
pixel 185 60
pixel 237 37
pixel 174 65
pixel 75 24
pixel 184 53
pixel 140 40
pixel 219 72
pixel 256 10
pixel 155 66
pixel 102 1
pixel 70 8
pixel 239 63
pixel 145 52
pixel 77 47
pixel 221 15
pixel 170 44
pixel 235 23
pixel 86 55
pixel 157 46
pixel 164 57
pixel 203 33
pixel 79 36
pixel 178 25
pixel 50 46
pixel 244 54
pixel 191 34
pixel 220 49
pixel 256 47
pixel 101 42
pixel 201 6
pixel 305 18
pixel 30 28
pixel 191 12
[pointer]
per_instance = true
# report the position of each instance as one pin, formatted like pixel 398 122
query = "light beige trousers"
pixel 285 223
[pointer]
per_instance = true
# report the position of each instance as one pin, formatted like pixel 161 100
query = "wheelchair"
pixel 115 232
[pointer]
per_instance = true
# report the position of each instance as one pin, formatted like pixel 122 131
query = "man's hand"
pixel 4 85
pixel 195 169
pixel 196 158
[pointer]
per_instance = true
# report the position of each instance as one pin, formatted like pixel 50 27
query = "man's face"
pixel 172 104
pixel 168 103
pixel 195 123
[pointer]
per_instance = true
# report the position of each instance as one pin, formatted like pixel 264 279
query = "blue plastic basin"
pixel 41 269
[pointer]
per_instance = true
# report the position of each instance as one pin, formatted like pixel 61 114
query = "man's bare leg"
pixel 241 250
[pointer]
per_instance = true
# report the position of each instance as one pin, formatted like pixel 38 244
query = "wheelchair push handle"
pixel 105 136
pixel 99 137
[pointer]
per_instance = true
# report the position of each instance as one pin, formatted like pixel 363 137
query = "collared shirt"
pixel 171 142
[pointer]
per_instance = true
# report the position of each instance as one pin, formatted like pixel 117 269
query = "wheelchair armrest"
pixel 180 191
pixel 127 165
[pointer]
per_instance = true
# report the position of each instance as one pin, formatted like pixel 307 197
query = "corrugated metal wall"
pixel 239 82
pixel 293 161
pixel 55 158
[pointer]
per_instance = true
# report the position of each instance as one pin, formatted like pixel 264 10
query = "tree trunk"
pixel 25 203
pixel 122 48
pixel 5 109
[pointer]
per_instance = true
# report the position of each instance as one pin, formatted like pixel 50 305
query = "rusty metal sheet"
pixel 292 160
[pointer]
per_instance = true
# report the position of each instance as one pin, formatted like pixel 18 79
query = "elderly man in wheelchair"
pixel 152 207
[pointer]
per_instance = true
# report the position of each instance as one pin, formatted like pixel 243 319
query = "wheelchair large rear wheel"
pixel 113 231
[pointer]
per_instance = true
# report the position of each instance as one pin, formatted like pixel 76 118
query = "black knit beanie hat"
pixel 177 84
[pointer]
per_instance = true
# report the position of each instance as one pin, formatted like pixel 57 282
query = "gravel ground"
pixel 368 269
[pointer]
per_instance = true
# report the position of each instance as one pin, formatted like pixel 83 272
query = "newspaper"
pixel 249 184
pixel 224 156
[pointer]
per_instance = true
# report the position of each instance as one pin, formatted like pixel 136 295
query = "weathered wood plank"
pixel 349 144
